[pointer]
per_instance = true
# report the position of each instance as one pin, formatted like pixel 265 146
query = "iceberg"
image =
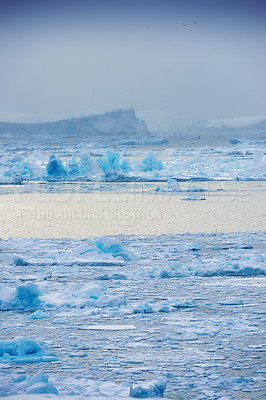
pixel 72 167
pixel 75 295
pixel 150 162
pixel 259 165
pixel 100 162
pixel 143 309
pixel 149 389
pixel 24 350
pixel 39 314
pixel 109 245
pixel 55 167
pixel 20 261
pixel 39 384
pixel 91 295
pixel 83 254
pixel 113 159
pixel 173 186
pixel 181 303
pixel 24 297
pixel 89 166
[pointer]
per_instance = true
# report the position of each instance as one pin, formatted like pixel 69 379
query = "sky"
pixel 195 60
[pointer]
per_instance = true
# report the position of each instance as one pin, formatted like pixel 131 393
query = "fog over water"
pixel 195 60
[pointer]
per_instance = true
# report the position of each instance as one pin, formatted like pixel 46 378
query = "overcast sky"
pixel 194 59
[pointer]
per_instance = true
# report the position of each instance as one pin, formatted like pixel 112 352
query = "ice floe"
pixel 104 251
pixel 23 297
pixel 173 186
pixel 40 386
pixel 24 350
pixel 193 198
pixel 149 389
pixel 39 314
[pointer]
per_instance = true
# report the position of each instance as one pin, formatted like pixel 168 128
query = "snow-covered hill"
pixel 118 122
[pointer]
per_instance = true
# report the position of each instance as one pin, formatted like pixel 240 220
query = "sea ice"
pixel 19 261
pixel 89 166
pixel 24 350
pixel 259 165
pixel 40 387
pixel 82 249
pixel 93 294
pixel 72 167
pixel 39 314
pixel 109 245
pixel 173 186
pixel 40 384
pixel 150 162
pixel 150 389
pixel 143 309
pixel 112 327
pixel 95 163
pixel 55 167
pixel 23 297
pixel 111 301
pixel 83 254
pixel 113 159
pixel 193 198
pixel 181 303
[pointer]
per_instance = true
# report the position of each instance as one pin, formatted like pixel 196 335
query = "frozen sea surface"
pixel 188 309
pixel 89 209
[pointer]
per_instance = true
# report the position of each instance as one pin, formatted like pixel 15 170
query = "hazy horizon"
pixel 193 61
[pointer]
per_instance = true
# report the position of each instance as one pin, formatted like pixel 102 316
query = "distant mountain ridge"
pixel 119 122
pixel 259 126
